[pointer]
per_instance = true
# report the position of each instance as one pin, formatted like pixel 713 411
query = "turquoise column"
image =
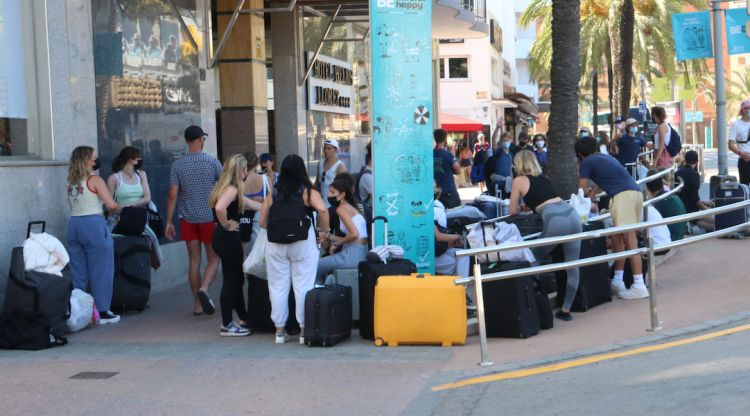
pixel 401 34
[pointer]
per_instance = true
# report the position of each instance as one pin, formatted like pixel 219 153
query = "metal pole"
pixel 695 110
pixel 655 323
pixel 721 96
pixel 595 101
pixel 480 315
pixel 642 79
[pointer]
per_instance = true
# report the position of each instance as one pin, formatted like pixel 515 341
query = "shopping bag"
pixel 255 263
pixel 582 205
pixel 508 233
pixel 81 310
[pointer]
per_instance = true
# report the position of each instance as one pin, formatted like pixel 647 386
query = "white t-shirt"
pixel 365 184
pixel 659 233
pixel 666 140
pixel 440 216
pixel 738 133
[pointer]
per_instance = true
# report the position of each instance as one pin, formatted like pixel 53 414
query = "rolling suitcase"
pixel 328 315
pixel 259 307
pixel 510 306
pixel 728 192
pixel 44 295
pixel 593 282
pixel 132 282
pixel 368 273
pixel 715 184
pixel 419 309
pixel 350 277
pixel 527 223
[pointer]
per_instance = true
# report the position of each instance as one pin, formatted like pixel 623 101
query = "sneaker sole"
pixel 626 297
pixel 108 321
pixel 205 300
pixel 233 334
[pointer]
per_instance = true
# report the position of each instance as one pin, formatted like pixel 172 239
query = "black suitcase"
pixel 132 282
pixel 510 306
pixel 527 223
pixel 259 307
pixel 33 292
pixel 368 274
pixel 726 193
pixel 593 282
pixel 544 307
pixel 328 315
pixel 715 183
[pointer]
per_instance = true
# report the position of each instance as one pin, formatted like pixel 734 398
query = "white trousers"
pixel 291 266
pixel 449 265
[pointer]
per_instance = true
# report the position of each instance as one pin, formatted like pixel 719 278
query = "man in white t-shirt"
pixel 738 141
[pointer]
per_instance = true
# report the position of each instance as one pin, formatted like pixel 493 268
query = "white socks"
pixel 617 281
pixel 638 281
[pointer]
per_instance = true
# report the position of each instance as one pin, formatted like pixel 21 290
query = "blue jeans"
pixel 92 257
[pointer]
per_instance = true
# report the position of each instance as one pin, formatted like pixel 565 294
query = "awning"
pixel 504 103
pixel 449 122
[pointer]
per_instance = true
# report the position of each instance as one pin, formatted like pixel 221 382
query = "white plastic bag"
pixel 582 205
pixel 508 233
pixel 255 263
pixel 81 310
pixel 483 235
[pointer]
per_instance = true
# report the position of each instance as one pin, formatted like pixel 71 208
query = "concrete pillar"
pixel 242 71
pixel 289 98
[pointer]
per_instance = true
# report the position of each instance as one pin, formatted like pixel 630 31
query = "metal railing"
pixel 649 250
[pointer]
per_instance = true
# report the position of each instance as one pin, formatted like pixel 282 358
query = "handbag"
pixel 132 221
pixel 255 263
pixel 154 220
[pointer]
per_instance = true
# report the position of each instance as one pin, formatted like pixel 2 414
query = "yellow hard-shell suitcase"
pixel 419 309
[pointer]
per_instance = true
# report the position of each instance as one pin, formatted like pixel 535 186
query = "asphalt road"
pixel 704 378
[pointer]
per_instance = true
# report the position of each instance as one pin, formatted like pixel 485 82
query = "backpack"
pixel 288 219
pixel 675 143
pixel 357 180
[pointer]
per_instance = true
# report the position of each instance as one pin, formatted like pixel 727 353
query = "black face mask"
pixel 333 201
pixel 139 165
pixel 96 164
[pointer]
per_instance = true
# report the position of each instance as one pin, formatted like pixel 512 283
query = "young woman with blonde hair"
pixel 227 203
pixel 90 246
pixel 558 218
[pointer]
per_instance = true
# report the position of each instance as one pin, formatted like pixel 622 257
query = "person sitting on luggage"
pixel 626 207
pixel 690 193
pixel 668 207
pixel 90 245
pixel 128 185
pixel 291 264
pixel 558 218
pixel 446 245
pixel 499 168
pixel 353 226
pixel 227 201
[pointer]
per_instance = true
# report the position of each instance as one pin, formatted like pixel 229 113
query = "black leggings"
pixel 229 249
pixel 744 170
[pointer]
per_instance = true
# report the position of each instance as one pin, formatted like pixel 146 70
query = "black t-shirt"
pixel 690 190
pixel 540 190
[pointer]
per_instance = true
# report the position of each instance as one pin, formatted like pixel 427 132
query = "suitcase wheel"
pixel 447 344
pixel 379 342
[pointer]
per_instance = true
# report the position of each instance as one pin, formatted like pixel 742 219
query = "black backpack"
pixel 675 143
pixel 288 219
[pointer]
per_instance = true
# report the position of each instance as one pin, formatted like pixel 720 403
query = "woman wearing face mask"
pixel 499 169
pixel 227 202
pixel 629 145
pixel 602 140
pixel 353 227
pixel 128 185
pixel 540 149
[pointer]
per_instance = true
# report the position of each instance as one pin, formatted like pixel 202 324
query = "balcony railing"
pixel 478 7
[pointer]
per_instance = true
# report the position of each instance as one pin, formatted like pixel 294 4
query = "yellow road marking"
pixel 587 360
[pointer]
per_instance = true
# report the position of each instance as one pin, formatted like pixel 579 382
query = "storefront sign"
pixel 692 35
pixel 402 125
pixel 737 40
pixel 329 88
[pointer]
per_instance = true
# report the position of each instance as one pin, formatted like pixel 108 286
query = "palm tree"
pixel 739 89
pixel 565 74
pixel 621 27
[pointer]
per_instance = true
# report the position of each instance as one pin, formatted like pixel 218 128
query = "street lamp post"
pixel 721 96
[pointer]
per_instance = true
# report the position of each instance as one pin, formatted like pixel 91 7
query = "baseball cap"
pixel 194 132
pixel 266 157
pixel 631 121
pixel 331 142
pixel 745 104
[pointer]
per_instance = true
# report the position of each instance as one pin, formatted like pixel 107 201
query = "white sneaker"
pixel 234 330
pixel 280 338
pixel 634 293
pixel 302 338
pixel 617 289
pixel 108 317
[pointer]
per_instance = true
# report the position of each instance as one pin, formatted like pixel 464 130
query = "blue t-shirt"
pixel 629 148
pixel 504 164
pixel 542 158
pixel 608 174
pixel 443 165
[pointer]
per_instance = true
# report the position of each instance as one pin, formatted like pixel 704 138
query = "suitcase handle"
pixel 33 223
pixel 420 275
pixel 385 232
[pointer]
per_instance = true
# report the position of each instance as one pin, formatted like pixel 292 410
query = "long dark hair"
pixel 292 176
pixel 344 183
pixel 127 153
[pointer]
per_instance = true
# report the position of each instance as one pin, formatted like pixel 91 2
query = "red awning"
pixel 449 122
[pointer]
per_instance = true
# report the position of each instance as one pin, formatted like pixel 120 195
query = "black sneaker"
pixel 565 316
pixel 206 302
pixel 107 317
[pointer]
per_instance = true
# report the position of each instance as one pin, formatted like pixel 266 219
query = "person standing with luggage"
pixel 353 226
pixel 558 218
pixel 227 201
pixel 445 166
pixel 90 245
pixel 662 137
pixel 128 185
pixel 739 141
pixel 626 207
pixel 257 187
pixel 292 251
pixel 191 181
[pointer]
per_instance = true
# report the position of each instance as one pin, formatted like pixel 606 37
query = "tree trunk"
pixel 622 25
pixel 564 76
pixel 610 86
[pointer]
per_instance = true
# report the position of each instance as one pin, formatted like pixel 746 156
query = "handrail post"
pixel 480 315
pixel 655 323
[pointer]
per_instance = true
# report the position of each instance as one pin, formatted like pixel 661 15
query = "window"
pixel 496 72
pixel 458 68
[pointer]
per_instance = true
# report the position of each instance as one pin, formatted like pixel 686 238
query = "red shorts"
pixel 203 231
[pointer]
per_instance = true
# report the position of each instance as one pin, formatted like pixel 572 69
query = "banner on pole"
pixel 662 90
pixel 692 35
pixel 737 40
pixel 401 35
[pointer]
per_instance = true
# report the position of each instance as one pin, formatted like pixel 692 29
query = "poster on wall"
pixel 692 35
pixel 402 125
pixel 737 40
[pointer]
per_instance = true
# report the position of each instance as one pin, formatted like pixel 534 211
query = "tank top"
pixel 232 212
pixel 127 194
pixel 83 200
pixel 359 223
pixel 540 190
pixel 326 179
